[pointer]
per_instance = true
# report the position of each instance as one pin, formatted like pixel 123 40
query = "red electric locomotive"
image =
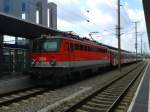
pixel 63 57
pixel 59 57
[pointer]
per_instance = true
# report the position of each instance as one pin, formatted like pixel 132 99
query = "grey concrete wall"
pixel 40 5
pixel 39 8
pixel 52 15
pixel 44 12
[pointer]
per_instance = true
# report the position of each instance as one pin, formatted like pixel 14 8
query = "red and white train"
pixel 66 56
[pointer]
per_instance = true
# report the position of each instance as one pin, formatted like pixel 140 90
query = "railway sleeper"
pixel 92 109
pixel 114 91
pixel 106 99
pixel 99 101
pixel 98 105
pixel 110 93
pixel 79 110
pixel 123 104
pixel 121 107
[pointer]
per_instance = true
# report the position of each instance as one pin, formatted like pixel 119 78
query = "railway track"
pixel 17 96
pixel 107 98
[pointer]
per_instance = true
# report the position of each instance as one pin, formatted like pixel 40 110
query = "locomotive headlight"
pixel 53 62
pixel 33 63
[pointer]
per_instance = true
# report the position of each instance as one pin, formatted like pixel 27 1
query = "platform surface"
pixel 14 83
pixel 140 102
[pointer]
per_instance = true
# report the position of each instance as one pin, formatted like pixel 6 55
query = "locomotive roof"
pixel 74 36
pixel 86 41
pixel 83 40
pixel 97 43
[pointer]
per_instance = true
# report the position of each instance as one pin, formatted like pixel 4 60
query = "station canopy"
pixel 146 5
pixel 10 25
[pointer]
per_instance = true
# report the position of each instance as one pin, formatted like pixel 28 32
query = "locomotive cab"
pixel 44 50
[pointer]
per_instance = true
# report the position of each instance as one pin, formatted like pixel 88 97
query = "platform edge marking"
pixel 149 98
pixel 138 89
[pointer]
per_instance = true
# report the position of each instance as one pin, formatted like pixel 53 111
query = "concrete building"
pixel 52 15
pixel 34 6
pixel 11 7
pixel 27 7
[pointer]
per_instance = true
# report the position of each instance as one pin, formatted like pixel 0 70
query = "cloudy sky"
pixel 84 16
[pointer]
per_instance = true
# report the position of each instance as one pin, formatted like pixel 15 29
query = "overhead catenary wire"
pixel 72 13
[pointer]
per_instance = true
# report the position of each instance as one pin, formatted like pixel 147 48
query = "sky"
pixel 85 16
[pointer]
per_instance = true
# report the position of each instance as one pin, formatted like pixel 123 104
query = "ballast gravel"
pixel 60 99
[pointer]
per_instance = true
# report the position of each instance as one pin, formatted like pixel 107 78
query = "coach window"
pixel 81 47
pixel 84 49
pixel 101 50
pixel 88 48
pixel 96 49
pixel 91 49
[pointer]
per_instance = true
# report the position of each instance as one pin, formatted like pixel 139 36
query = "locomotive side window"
pixel 85 48
pixel 71 46
pixel 66 46
pixel 77 47
pixel 88 48
pixel 81 47
pixel 102 50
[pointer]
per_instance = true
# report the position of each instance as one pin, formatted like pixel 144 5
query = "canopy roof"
pixel 10 25
pixel 146 5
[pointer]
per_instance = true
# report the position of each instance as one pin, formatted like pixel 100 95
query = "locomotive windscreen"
pixel 46 45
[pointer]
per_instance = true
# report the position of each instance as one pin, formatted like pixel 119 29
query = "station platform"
pixel 141 100
pixel 14 82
